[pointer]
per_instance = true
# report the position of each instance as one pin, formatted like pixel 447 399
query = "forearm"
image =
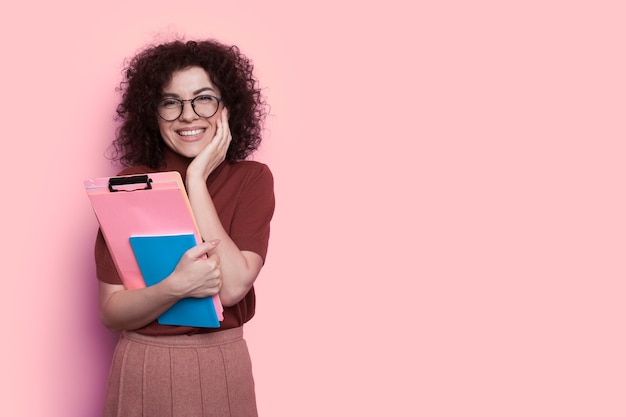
pixel 239 269
pixel 132 309
pixel 195 276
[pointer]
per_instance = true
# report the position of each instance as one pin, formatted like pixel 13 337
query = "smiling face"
pixel 189 133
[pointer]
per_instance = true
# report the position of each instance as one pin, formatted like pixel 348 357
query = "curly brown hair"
pixel 138 140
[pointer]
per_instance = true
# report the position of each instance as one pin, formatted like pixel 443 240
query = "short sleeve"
pixel 105 267
pixel 250 227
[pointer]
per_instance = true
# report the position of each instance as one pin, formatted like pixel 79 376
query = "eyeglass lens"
pixel 171 108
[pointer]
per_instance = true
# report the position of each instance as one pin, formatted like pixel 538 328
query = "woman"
pixel 192 107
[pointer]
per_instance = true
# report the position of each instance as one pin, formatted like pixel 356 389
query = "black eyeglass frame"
pixel 193 106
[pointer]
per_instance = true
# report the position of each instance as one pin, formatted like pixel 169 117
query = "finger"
pixel 215 258
pixel 226 129
pixel 225 118
pixel 220 133
pixel 202 249
pixel 223 136
pixel 212 267
pixel 225 125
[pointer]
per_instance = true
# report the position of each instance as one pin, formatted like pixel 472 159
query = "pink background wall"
pixel 450 231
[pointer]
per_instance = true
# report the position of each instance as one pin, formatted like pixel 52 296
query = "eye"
pixel 169 103
pixel 205 99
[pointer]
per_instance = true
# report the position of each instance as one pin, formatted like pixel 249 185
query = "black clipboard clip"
pixel 134 179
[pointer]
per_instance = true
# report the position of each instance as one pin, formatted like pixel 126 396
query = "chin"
pixel 188 150
pixel 189 153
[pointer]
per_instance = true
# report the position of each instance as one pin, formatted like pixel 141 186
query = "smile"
pixel 191 132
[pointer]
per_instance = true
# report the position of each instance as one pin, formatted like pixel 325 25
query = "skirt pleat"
pixel 203 375
pixel 157 381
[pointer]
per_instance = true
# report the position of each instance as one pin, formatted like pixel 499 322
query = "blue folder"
pixel 157 257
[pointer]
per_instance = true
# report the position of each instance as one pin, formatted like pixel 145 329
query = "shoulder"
pixel 248 166
pixel 248 171
pixel 247 180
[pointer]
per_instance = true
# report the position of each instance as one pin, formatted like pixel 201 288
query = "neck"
pixel 176 162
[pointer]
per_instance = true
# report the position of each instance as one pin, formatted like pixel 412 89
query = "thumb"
pixel 202 249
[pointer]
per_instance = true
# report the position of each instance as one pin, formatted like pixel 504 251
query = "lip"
pixel 190 136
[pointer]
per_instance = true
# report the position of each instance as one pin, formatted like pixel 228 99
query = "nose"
pixel 188 112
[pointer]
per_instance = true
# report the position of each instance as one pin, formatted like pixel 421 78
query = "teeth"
pixel 190 132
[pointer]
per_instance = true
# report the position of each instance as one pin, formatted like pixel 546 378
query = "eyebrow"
pixel 195 93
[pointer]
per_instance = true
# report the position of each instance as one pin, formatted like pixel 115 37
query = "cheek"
pixel 163 128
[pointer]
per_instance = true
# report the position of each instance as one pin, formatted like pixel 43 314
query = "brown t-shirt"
pixel 243 195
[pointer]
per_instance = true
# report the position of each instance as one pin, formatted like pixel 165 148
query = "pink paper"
pixel 164 209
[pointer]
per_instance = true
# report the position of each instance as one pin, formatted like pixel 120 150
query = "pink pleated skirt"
pixel 203 375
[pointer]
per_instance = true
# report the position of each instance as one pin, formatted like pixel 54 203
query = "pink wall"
pixel 449 237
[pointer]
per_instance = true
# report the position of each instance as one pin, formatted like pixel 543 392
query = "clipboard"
pixel 149 205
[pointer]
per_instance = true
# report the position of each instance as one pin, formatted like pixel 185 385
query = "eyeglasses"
pixel 170 109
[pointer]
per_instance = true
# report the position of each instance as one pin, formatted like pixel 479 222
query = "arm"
pixel 239 268
pixel 194 276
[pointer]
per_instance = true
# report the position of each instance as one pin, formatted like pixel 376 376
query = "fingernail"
pixel 214 242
